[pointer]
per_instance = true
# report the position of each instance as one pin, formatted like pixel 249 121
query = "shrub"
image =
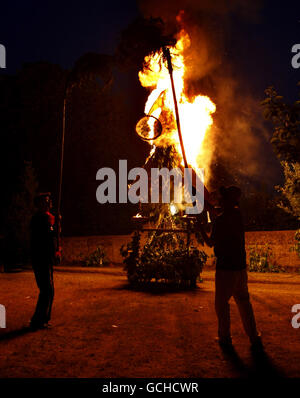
pixel 165 258
pixel 296 246
pixel 97 258
pixel 261 259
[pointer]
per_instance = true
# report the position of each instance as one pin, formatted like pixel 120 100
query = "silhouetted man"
pixel 43 257
pixel 228 240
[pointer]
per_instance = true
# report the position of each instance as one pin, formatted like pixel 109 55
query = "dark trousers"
pixel 44 279
pixel 228 284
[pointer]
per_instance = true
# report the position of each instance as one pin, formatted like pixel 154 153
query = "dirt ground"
pixel 101 328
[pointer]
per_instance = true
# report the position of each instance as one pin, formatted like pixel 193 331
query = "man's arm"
pixel 207 239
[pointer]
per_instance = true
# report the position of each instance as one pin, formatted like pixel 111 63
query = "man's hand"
pixel 207 239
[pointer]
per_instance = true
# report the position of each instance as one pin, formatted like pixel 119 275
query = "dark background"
pixel 44 39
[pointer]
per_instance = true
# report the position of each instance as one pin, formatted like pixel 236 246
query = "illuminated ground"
pixel 102 329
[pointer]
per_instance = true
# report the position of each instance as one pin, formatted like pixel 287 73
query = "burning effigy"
pixel 195 113
pixel 175 127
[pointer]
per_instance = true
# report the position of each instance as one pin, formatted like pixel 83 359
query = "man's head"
pixel 230 196
pixel 43 201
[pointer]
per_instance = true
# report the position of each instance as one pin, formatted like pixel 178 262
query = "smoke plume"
pixel 238 138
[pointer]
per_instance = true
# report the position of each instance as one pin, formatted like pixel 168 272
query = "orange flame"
pixel 195 114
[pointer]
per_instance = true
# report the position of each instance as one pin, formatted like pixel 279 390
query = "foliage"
pixel 90 66
pixel 269 215
pixel 291 188
pixel 296 246
pixel 286 121
pixel 130 253
pixel 19 213
pixel 97 258
pixel 164 258
pixel 286 142
pixel 142 37
pixel 98 134
pixel 261 259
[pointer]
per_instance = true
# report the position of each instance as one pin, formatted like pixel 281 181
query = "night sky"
pixel 61 31
pixel 264 48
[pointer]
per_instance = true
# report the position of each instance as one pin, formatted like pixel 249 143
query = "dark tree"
pixel 18 216
pixel 286 142
pixel 142 37
pixel 286 124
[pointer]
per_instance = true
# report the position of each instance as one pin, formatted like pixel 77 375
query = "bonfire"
pixel 175 127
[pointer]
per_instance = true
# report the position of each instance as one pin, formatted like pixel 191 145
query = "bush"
pixel 97 258
pixel 296 246
pixel 164 259
pixel 262 260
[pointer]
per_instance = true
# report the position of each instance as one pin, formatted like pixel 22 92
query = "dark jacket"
pixel 229 240
pixel 42 238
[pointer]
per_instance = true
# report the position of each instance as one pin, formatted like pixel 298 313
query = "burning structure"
pixel 175 126
pixel 195 113
pixel 173 121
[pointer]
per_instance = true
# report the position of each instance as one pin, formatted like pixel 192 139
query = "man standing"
pixel 43 257
pixel 231 278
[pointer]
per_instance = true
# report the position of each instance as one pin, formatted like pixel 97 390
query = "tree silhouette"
pixel 286 142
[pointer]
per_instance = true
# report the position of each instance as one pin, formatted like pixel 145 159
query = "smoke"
pixel 208 24
pixel 169 9
pixel 238 140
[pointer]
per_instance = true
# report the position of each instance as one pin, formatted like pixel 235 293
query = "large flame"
pixel 195 114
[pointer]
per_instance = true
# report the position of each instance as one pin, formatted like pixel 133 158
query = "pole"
pixel 167 55
pixel 170 68
pixel 62 154
pixel 62 149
